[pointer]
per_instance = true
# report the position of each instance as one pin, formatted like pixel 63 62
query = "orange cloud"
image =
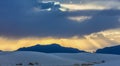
pixel 79 43
pixel 88 43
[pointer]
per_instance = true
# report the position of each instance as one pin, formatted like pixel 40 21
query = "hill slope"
pixel 110 50
pixel 26 58
pixel 53 48
pixel 23 58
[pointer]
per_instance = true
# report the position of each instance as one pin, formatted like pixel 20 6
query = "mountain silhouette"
pixel 110 50
pixel 53 48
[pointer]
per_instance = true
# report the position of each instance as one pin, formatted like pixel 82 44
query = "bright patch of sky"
pixel 89 4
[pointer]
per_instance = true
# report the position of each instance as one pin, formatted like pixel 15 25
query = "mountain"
pixel 110 50
pixel 53 48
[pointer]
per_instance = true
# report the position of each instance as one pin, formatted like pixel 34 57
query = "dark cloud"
pixel 18 20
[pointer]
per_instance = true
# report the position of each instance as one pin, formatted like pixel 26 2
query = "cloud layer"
pixel 22 19
pixel 18 19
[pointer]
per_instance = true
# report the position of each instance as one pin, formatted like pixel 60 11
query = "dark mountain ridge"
pixel 110 50
pixel 52 48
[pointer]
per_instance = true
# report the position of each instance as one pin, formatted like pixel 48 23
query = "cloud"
pixel 23 24
pixel 89 43
pixel 83 6
pixel 91 4
pixel 18 19
pixel 86 43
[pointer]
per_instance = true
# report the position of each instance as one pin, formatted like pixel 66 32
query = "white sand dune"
pixel 13 58
pixel 24 58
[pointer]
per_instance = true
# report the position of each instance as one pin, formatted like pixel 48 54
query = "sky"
pixel 83 24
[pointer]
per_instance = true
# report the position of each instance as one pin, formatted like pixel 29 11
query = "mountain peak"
pixel 110 50
pixel 51 48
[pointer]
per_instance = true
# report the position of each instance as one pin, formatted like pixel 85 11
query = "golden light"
pixel 88 43
pixel 83 7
